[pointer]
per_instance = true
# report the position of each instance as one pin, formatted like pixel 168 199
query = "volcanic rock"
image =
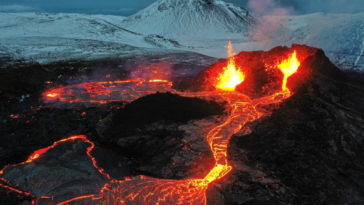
pixel 27 124
pixel 262 77
pixel 63 172
pixel 309 151
pixel 155 131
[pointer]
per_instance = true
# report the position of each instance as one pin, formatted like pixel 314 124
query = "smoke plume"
pixel 269 15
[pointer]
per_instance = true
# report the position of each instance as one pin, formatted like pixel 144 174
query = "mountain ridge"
pixel 190 17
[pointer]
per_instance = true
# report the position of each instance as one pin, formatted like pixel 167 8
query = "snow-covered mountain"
pixel 50 37
pixel 203 26
pixel 75 26
pixel 200 24
pixel 191 18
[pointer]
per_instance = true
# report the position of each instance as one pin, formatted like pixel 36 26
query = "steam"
pixel 269 16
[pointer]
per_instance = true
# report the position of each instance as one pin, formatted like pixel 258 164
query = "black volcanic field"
pixel 309 151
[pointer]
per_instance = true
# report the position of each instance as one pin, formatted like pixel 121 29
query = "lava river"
pixel 146 190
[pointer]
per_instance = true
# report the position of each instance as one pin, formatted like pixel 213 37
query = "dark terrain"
pixel 27 124
pixel 309 151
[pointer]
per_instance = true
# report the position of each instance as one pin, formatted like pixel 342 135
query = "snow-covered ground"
pixel 202 26
pixel 52 37
pixel 175 25
pixel 52 49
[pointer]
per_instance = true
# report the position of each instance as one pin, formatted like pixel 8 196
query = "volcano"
pixel 190 18
pixel 288 130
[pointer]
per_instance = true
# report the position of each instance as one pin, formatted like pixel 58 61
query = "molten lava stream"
pixel 147 190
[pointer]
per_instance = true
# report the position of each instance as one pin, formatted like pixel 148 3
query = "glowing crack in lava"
pixel 147 190
pixel 106 91
pixel 38 153
pixel 231 75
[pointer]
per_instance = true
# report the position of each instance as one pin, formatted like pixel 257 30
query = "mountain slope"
pixel 203 26
pixel 53 49
pixel 77 26
pixel 197 18
pixel 47 37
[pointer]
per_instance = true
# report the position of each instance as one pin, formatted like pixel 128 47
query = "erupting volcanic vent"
pixel 246 82
pixel 231 75
pixel 288 68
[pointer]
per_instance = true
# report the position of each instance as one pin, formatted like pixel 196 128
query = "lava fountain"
pixel 288 68
pixel 147 190
pixel 231 75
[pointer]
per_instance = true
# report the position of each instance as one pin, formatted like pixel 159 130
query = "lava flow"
pixel 107 91
pixel 37 154
pixel 147 190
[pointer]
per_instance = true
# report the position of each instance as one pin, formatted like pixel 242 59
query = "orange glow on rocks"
pixel 289 67
pixel 14 116
pixel 38 153
pixel 240 109
pixel 147 190
pixel 106 91
pixel 232 75
pixel 52 95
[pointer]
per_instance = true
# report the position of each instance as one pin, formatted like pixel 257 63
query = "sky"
pixel 129 7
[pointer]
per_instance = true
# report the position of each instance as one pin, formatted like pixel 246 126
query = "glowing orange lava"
pixel 106 91
pixel 52 95
pixel 288 68
pixel 147 190
pixel 232 75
